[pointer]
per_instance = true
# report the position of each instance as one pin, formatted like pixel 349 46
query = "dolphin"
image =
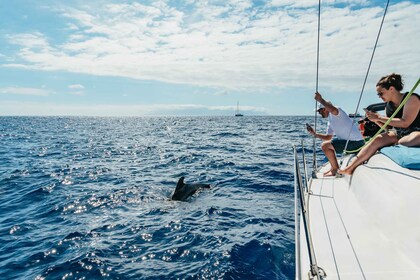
pixel 183 191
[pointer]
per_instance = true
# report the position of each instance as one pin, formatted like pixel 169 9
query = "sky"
pixel 189 58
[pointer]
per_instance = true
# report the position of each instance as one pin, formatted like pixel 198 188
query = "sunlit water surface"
pixel 88 198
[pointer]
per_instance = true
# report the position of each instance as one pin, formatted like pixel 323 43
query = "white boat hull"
pixel 365 226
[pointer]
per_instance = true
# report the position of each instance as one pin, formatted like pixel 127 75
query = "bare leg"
pixel 411 140
pixel 329 152
pixel 381 141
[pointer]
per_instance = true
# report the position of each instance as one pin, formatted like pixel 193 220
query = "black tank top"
pixel 390 109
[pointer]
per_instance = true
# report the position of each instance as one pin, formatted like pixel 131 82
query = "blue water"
pixel 88 198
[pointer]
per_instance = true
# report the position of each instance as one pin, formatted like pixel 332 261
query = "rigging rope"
pixel 314 166
pixel 364 82
pixel 390 118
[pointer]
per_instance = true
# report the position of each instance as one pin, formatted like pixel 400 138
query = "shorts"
pixel 401 132
pixel 339 145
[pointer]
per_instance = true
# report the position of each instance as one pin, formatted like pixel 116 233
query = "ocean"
pixel 89 198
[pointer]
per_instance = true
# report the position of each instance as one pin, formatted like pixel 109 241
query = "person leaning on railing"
pixel 406 122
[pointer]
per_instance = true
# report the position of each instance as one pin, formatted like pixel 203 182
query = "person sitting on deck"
pixel 406 122
pixel 339 125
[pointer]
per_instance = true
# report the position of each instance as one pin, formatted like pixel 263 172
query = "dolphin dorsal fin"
pixel 180 183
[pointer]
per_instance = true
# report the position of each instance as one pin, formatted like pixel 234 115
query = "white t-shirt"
pixel 341 125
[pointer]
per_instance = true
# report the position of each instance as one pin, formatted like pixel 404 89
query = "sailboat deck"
pixel 365 226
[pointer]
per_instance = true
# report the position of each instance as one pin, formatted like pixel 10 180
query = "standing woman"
pixel 406 122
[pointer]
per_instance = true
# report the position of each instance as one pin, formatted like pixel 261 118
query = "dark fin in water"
pixel 183 191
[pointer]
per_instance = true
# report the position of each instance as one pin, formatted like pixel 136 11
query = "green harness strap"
pixel 390 119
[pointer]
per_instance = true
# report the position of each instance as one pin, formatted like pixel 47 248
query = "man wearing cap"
pixel 339 128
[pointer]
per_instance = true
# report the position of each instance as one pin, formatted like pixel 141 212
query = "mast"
pixel 237 114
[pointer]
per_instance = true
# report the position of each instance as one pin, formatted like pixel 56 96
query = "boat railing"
pixel 301 191
pixel 305 168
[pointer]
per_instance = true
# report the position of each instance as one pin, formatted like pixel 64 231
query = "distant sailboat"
pixel 237 114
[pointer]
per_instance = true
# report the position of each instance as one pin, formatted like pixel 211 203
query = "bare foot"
pixel 345 171
pixel 330 173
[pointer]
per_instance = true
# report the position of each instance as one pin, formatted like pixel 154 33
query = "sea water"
pixel 89 198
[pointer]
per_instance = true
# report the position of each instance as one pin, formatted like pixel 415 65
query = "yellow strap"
pixel 390 119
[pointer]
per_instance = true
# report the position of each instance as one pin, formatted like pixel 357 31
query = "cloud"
pixel 25 91
pixel 35 40
pixel 76 86
pixel 311 3
pixel 233 45
pixel 221 93
pixel 76 89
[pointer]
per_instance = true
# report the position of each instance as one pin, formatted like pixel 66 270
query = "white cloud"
pixel 76 86
pixel 231 46
pixel 76 89
pixel 221 93
pixel 25 91
pixel 35 40
pixel 312 3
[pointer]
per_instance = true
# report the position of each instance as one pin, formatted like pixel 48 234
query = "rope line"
pixel 390 118
pixel 314 166
pixel 366 77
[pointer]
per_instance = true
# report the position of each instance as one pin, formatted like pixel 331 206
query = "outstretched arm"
pixel 329 106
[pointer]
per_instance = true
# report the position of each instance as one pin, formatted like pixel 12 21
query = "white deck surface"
pixel 366 226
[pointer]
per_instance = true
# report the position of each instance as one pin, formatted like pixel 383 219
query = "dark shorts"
pixel 339 145
pixel 401 132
